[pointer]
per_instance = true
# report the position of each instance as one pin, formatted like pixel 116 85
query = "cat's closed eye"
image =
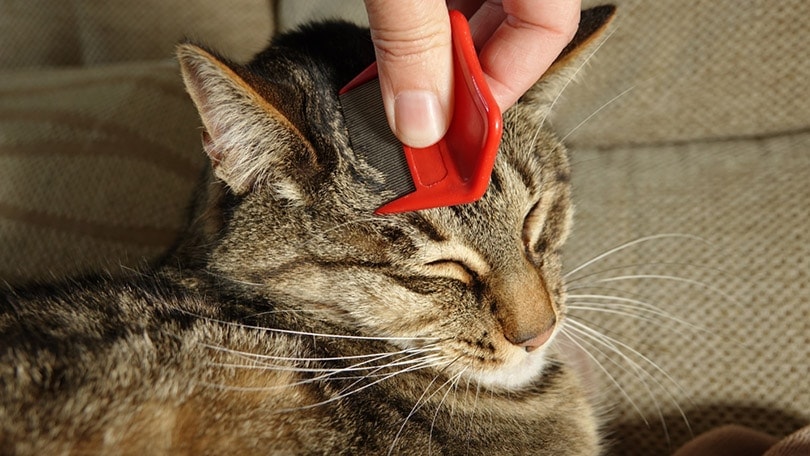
pixel 533 225
pixel 543 225
pixel 453 269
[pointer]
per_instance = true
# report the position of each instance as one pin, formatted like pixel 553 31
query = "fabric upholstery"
pixel 738 280
pixel 97 166
pixel 710 137
pixel 690 143
pixel 694 70
pixel 41 33
pixel 99 145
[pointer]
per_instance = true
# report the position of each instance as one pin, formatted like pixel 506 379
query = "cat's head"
pixel 294 207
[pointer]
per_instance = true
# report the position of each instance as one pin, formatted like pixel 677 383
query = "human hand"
pixel 517 41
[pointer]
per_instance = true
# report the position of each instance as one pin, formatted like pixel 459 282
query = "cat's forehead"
pixel 518 182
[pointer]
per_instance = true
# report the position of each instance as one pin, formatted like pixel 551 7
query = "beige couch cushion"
pixel 292 13
pixel 710 140
pixel 37 33
pixel 745 359
pixel 695 70
pixel 96 167
pixel 99 157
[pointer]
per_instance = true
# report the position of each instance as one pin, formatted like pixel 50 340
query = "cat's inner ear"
pixel 249 141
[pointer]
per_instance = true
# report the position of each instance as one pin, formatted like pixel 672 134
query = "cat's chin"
pixel 518 370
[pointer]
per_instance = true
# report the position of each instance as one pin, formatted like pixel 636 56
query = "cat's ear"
pixel 593 23
pixel 249 141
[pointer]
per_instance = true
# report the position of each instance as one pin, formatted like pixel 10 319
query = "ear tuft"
pixel 249 142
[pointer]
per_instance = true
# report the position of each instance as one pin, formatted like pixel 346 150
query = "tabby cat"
pixel 293 320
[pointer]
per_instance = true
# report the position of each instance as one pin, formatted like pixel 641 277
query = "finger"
pixel 414 58
pixel 525 44
pixel 485 21
pixel 467 7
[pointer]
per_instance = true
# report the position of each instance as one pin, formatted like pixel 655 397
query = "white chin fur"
pixel 518 370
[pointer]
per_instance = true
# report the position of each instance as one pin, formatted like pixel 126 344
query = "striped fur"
pixel 293 320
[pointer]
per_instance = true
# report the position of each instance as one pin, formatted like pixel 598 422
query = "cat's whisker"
pixel 633 312
pixel 377 369
pixel 698 283
pixel 641 375
pixel 287 311
pixel 417 405
pixel 573 298
pixel 570 335
pixel 575 73
pixel 405 360
pixel 614 300
pixel 634 369
pixel 629 244
pixel 371 356
pixel 616 347
pixel 620 302
pixel 453 385
pixel 421 401
pixel 344 394
pixel 333 374
pixel 466 395
pixel 622 311
pixel 423 364
pixel 474 409
pixel 307 333
pixel 618 343
pixel 681 265
pixel 595 341
pixel 376 373
pixel 597 111
pixel 330 371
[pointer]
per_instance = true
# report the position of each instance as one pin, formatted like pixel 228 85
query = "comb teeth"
pixel 372 138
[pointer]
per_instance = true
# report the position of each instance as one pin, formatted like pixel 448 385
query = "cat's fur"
pixel 292 320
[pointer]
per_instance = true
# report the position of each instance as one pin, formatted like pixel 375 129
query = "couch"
pixel 689 133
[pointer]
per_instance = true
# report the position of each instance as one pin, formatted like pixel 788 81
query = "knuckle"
pixel 402 46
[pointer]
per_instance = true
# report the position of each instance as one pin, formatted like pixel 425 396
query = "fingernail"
pixel 418 118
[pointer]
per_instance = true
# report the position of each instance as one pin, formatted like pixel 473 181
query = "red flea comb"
pixel 457 169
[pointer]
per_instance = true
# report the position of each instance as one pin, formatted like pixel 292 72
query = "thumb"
pixel 414 59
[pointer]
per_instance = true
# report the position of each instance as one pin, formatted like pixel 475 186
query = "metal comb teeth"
pixel 372 138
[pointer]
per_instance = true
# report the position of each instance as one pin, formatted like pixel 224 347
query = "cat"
pixel 290 319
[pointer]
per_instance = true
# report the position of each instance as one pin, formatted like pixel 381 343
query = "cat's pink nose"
pixel 537 341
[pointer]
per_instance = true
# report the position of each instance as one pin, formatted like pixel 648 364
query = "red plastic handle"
pixel 457 169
